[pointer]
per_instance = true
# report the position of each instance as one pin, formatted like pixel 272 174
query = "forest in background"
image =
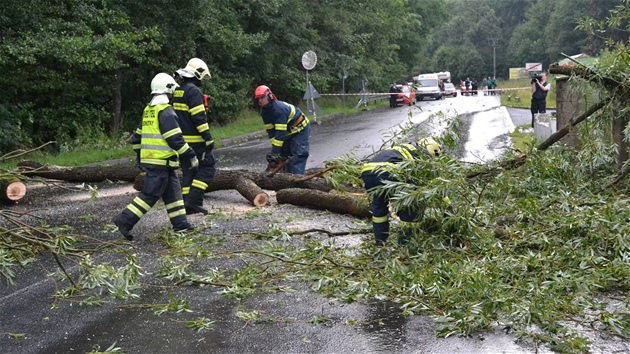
pixel 75 69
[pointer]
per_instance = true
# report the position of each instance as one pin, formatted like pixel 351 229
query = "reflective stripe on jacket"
pixel 161 140
pixel 282 119
pixel 388 159
pixel 188 102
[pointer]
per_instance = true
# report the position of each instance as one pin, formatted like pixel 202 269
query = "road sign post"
pixel 309 60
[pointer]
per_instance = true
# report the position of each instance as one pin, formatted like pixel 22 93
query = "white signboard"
pixel 533 66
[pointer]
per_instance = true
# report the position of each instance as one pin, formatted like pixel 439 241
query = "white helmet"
pixel 195 68
pixel 163 83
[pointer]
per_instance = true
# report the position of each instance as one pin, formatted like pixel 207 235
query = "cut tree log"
pixel 250 191
pixel 12 190
pixel 344 203
pixel 119 171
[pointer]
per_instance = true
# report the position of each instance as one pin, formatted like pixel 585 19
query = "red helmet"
pixel 262 91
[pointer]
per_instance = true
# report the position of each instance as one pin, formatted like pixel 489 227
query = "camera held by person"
pixel 536 77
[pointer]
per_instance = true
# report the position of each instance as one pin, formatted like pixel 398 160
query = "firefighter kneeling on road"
pixel 158 142
pixel 380 169
pixel 288 130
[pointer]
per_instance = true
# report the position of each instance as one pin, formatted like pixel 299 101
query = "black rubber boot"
pixel 195 209
pixel 194 202
pixel 122 227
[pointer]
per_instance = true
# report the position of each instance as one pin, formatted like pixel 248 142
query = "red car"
pixel 407 96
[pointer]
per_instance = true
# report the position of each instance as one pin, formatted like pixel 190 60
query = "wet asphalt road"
pixel 62 326
pixel 360 135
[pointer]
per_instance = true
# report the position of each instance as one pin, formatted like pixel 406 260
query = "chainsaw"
pixel 275 163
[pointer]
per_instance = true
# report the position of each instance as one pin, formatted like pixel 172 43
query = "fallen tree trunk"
pixel 121 171
pixel 226 179
pixel 343 203
pixel 250 185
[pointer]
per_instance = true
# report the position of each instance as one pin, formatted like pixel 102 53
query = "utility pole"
pixel 494 41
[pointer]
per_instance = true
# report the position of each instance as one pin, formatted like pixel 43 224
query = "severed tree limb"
pixel 587 74
pixel 333 234
pixel 505 165
pixel 319 173
pixel 555 137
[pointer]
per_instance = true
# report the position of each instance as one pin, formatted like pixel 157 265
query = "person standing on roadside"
pixel 394 96
pixel 158 142
pixel 189 104
pixel 488 85
pixel 540 87
pixel 288 129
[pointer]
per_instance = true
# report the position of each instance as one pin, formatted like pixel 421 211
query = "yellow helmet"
pixel 195 68
pixel 431 146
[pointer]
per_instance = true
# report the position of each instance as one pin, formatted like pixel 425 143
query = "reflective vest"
pixel 154 149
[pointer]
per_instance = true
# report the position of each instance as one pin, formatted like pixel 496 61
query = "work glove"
pixel 194 164
pixel 208 149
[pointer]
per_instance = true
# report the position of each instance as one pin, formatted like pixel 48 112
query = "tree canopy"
pixel 76 66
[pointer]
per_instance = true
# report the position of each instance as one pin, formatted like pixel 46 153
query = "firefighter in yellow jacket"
pixel 158 142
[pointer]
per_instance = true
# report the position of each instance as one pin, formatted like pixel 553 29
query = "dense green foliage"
pixel 74 64
pixel 521 31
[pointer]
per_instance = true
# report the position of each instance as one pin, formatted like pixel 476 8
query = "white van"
pixel 428 85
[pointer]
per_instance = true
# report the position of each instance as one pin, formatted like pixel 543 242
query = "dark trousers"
pixel 159 182
pixel 297 145
pixel 380 209
pixel 538 106
pixel 392 100
pixel 194 184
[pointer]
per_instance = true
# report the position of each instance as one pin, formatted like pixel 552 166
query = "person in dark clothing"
pixel 394 97
pixel 158 142
pixel 374 174
pixel 288 129
pixel 189 104
pixel 539 95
